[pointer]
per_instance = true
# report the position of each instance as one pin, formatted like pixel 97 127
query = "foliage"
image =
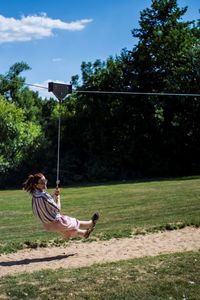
pixel 161 62
pixel 119 136
pixel 161 56
pixel 17 135
pixel 11 83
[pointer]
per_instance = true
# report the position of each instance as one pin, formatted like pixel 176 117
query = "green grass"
pixel 125 209
pixel 167 277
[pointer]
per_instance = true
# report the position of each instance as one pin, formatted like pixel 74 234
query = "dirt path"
pixel 79 254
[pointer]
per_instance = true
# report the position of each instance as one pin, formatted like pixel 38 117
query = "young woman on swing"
pixel 47 208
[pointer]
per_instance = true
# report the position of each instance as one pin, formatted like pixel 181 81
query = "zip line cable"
pixel 60 94
pixel 138 93
pixel 35 85
pixel 118 93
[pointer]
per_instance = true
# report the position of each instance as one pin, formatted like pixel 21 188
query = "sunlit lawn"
pixel 167 277
pixel 124 208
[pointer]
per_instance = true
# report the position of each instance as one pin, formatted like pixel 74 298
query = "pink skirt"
pixel 68 226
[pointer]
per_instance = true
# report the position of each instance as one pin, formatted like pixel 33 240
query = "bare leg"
pixel 86 224
pixel 85 233
pixel 91 223
pixel 79 232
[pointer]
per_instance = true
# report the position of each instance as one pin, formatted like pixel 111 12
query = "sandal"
pixel 95 218
pixel 88 232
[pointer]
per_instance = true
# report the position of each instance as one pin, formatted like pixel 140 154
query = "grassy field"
pixel 125 209
pixel 167 277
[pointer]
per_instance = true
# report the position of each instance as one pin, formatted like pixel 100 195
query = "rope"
pixel 58 147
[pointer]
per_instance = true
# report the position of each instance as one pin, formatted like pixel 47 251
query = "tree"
pixel 12 87
pixel 165 41
pixel 163 61
pixel 17 135
pixel 139 134
pixel 11 84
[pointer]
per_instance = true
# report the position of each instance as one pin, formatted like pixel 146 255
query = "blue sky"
pixel 55 37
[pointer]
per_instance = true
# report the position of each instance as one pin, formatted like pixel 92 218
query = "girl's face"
pixel 42 184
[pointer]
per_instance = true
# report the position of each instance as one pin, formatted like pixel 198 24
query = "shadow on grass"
pixel 34 260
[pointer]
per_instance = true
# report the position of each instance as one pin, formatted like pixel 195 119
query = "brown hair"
pixel 31 181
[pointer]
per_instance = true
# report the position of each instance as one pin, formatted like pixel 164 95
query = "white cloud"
pixel 56 59
pixel 35 27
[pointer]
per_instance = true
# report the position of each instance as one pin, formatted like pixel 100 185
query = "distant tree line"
pixel 108 137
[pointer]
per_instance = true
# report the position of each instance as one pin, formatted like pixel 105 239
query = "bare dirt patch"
pixel 80 254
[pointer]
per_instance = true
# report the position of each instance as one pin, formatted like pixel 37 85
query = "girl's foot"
pixel 95 218
pixel 88 232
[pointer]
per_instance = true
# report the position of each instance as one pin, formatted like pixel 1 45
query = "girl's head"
pixel 35 182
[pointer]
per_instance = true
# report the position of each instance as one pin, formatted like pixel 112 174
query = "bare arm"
pixel 56 196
